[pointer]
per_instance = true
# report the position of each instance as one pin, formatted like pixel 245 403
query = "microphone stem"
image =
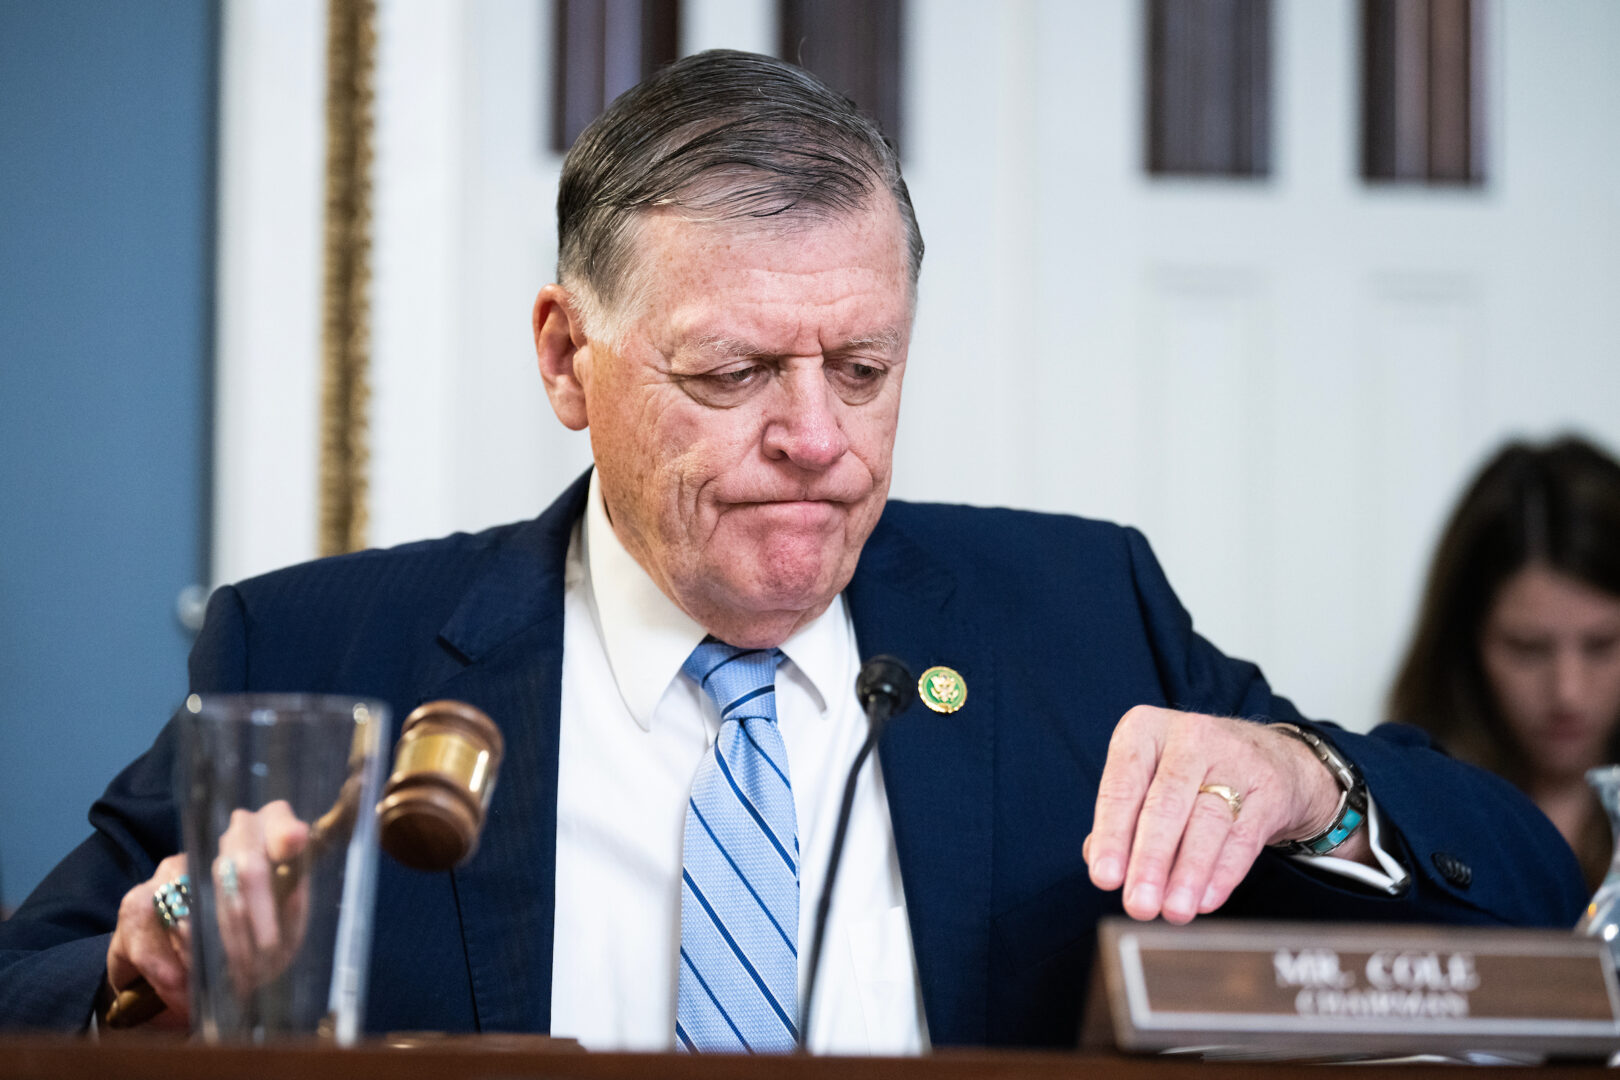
pixel 875 722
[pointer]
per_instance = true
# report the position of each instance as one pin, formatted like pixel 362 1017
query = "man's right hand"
pixel 261 919
pixel 261 926
pixel 142 947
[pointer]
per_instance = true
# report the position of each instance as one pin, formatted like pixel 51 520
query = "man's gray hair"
pixel 720 136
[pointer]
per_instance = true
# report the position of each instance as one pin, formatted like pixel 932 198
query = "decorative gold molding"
pixel 351 62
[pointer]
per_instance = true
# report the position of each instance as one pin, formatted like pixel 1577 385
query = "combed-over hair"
pixel 719 136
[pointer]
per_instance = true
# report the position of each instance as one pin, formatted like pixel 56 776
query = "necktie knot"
pixel 741 682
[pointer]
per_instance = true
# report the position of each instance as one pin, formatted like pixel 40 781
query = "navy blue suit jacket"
pixel 1058 626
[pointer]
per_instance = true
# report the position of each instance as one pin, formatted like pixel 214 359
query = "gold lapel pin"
pixel 942 689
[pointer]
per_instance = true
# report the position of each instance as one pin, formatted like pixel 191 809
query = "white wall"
pixel 268 332
pixel 1284 382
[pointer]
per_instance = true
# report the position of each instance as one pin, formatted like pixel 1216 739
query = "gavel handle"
pixel 134 1005
pixel 137 1003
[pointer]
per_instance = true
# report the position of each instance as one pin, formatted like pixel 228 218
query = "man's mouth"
pixel 788 513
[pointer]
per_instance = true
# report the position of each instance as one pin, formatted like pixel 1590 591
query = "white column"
pixel 417 242
pixel 267 390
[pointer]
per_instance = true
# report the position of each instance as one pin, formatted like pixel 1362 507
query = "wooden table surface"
pixel 145 1057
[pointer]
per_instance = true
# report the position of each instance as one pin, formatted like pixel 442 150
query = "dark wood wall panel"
pixel 603 48
pixel 854 46
pixel 1209 87
pixel 1422 106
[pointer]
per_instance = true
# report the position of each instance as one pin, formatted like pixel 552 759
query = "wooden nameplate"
pixel 1330 989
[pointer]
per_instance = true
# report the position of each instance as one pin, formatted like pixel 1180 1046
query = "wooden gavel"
pixel 430 817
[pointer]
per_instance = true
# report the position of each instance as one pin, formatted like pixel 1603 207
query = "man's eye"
pixel 857 383
pixel 723 389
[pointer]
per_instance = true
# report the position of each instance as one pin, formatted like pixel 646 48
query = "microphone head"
pixel 884 686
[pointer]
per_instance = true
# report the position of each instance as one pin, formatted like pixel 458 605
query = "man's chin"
pixel 764 613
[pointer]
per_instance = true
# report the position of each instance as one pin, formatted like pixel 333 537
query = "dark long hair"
pixel 1555 505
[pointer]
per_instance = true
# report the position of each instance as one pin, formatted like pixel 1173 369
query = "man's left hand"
pixel 1179 852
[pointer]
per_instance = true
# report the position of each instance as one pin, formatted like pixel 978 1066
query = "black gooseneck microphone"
pixel 884 688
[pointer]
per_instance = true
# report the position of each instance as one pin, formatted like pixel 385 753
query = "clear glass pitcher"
pixel 280 942
pixel 1602 918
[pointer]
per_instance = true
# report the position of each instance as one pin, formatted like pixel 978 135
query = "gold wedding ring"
pixel 1233 797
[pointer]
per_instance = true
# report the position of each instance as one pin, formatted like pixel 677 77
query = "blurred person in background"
pixel 1515 662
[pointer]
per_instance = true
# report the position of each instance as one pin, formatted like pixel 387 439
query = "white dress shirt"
pixel 633 729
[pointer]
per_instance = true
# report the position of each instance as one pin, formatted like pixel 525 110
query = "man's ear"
pixel 560 344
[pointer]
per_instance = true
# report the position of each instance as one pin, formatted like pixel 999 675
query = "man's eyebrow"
pixel 721 346
pixel 883 341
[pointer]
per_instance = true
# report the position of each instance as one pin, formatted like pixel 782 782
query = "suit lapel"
pixel 938 769
pixel 505 656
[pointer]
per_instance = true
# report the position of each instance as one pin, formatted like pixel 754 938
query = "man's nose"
pixel 806 426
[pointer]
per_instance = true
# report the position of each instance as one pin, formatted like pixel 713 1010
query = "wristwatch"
pixel 1352 809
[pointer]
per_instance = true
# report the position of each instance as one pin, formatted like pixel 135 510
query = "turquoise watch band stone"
pixel 1349 821
pixel 1351 812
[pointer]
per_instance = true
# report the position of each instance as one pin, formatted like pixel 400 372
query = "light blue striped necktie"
pixel 739 973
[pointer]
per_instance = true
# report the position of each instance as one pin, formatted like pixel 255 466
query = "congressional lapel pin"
pixel 942 689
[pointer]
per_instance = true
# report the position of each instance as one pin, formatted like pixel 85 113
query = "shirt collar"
pixel 647 637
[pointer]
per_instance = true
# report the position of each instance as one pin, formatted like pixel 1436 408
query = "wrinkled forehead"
pixel 669 239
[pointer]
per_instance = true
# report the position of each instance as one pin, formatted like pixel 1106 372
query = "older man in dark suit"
pixel 669 651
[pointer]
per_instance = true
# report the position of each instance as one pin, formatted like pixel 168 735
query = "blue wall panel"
pixel 106 248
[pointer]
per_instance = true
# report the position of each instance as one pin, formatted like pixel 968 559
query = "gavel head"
pixel 445 765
